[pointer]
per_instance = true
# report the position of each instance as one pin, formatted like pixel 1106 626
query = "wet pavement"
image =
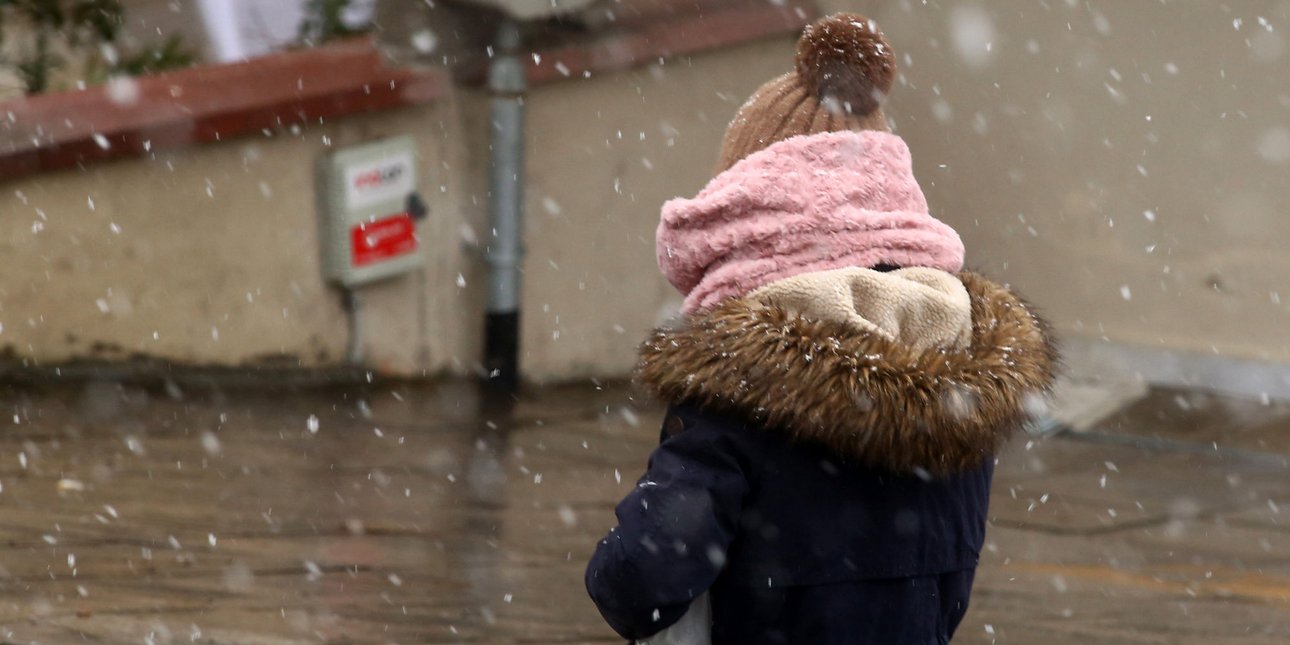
pixel 397 515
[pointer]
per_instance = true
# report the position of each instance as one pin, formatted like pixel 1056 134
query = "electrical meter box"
pixel 368 203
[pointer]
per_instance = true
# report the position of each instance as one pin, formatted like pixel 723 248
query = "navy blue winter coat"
pixel 839 498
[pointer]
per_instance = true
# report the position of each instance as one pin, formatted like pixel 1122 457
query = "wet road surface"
pixel 399 515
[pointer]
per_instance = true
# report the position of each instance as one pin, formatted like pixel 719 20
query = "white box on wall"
pixel 368 224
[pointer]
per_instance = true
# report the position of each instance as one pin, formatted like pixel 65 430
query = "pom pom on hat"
pixel 844 69
pixel 846 59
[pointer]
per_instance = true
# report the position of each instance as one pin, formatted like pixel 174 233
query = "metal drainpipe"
pixel 506 83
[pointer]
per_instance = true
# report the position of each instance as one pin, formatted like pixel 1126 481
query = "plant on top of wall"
pixel 40 37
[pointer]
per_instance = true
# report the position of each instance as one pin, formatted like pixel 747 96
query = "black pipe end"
pixel 502 352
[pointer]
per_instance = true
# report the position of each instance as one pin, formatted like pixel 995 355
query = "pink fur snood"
pixel 808 203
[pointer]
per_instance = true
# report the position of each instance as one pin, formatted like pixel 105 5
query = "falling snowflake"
pixel 973 34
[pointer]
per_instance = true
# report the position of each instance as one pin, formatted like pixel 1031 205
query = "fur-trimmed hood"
pixel 864 396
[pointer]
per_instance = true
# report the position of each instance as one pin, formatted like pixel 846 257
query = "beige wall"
pixel 211 256
pixel 1031 150
pixel 1080 120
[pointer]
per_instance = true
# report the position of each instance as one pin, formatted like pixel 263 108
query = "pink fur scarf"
pixel 809 203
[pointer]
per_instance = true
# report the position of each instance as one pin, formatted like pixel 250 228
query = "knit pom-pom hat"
pixel 810 179
pixel 843 73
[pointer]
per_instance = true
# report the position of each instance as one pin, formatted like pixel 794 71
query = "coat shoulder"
pixel 686 416
pixel 700 423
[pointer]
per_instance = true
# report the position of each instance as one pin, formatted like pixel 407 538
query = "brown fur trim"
pixel 865 398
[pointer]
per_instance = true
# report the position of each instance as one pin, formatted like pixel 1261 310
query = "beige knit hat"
pixel 844 70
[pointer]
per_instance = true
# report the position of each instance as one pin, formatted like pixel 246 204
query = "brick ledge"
pixel 204 104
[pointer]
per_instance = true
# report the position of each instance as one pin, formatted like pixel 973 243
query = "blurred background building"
pixel 1120 163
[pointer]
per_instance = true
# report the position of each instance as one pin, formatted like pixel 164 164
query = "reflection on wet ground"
pixel 399 514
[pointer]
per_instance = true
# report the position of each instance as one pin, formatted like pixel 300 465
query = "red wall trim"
pixel 204 104
pixel 217 102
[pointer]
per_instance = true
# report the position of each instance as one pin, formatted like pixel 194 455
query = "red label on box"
pixel 383 239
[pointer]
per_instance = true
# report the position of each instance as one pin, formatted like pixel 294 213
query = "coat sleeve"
pixel 674 528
